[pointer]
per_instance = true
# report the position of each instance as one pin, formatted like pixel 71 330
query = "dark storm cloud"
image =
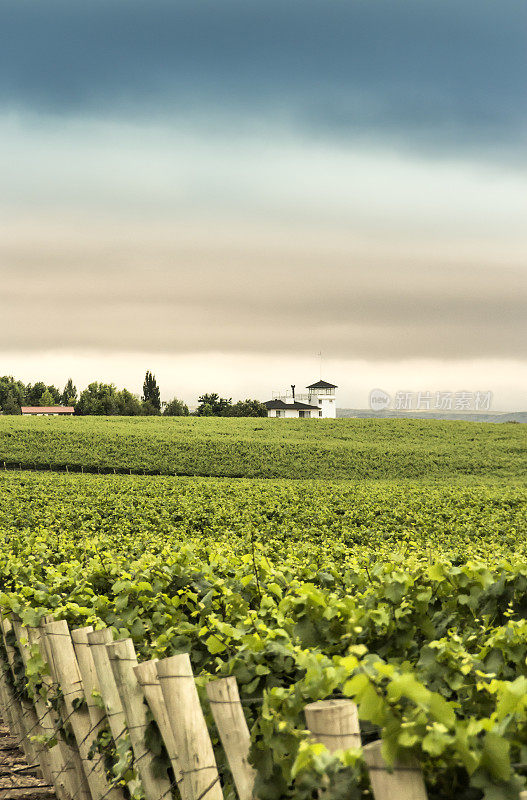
pixel 433 73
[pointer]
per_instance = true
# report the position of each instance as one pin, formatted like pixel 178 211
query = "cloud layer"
pixel 171 289
pixel 435 74
pixel 247 183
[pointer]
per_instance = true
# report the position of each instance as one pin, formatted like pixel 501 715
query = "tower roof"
pixel 271 405
pixel 322 385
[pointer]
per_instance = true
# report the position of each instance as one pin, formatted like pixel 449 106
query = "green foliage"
pixel 99 399
pixel 149 410
pixel 212 405
pixel 410 599
pixel 11 390
pixel 11 405
pixel 13 395
pixel 127 404
pixel 46 399
pixel 33 393
pixel 69 395
pixel 248 408
pixel 343 448
pixel 175 408
pixel 151 394
pixel 40 395
pixel 336 521
pixel 103 399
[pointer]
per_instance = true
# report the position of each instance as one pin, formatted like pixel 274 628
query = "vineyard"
pixel 265 448
pixel 407 597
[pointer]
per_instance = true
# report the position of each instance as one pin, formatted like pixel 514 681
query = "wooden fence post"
pixel 67 744
pixel 405 782
pixel 31 713
pixel 63 769
pixel 146 674
pixel 227 711
pixel 7 698
pixel 79 637
pixel 29 718
pixel 20 709
pixel 123 660
pixel 112 702
pixel 65 662
pixel 11 711
pixel 193 744
pixel 6 701
pixel 98 719
pixel 107 686
pixel 334 723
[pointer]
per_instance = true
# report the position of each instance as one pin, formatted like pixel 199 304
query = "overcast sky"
pixel 219 191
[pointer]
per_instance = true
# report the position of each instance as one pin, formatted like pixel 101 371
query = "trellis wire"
pixel 332 722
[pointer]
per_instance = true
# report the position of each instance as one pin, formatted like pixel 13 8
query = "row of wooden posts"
pixel 93 469
pixel 88 664
pixel 90 470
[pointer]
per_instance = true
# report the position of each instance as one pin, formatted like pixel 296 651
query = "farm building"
pixel 318 403
pixel 47 411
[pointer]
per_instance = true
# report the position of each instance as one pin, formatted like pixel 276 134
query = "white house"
pixel 318 403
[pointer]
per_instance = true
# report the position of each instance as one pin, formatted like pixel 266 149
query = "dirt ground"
pixel 18 779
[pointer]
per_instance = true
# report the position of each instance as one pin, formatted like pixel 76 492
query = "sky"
pixel 218 192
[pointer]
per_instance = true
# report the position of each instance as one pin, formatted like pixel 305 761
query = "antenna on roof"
pixel 293 389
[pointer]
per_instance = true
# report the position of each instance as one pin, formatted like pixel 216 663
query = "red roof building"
pixel 48 411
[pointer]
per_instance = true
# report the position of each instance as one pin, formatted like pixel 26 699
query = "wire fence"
pixel 163 691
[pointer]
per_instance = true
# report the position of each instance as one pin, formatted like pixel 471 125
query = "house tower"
pixel 322 394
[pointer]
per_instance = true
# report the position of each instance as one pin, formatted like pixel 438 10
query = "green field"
pixel 264 448
pixel 398 578
pixel 347 521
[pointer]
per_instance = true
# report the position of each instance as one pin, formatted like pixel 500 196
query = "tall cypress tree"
pixel 69 395
pixel 151 393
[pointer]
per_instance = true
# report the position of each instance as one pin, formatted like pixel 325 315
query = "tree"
pixel 128 404
pixel 103 399
pixel 151 392
pixel 149 410
pixel 69 395
pixel 34 394
pixel 176 408
pixel 248 408
pixel 9 388
pixel 98 398
pixel 55 393
pixel 46 399
pixel 10 405
pixel 212 405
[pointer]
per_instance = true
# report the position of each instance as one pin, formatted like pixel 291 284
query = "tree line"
pixel 104 399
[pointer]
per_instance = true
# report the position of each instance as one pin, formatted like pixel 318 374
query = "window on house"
pixel 304 414
pixel 280 413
